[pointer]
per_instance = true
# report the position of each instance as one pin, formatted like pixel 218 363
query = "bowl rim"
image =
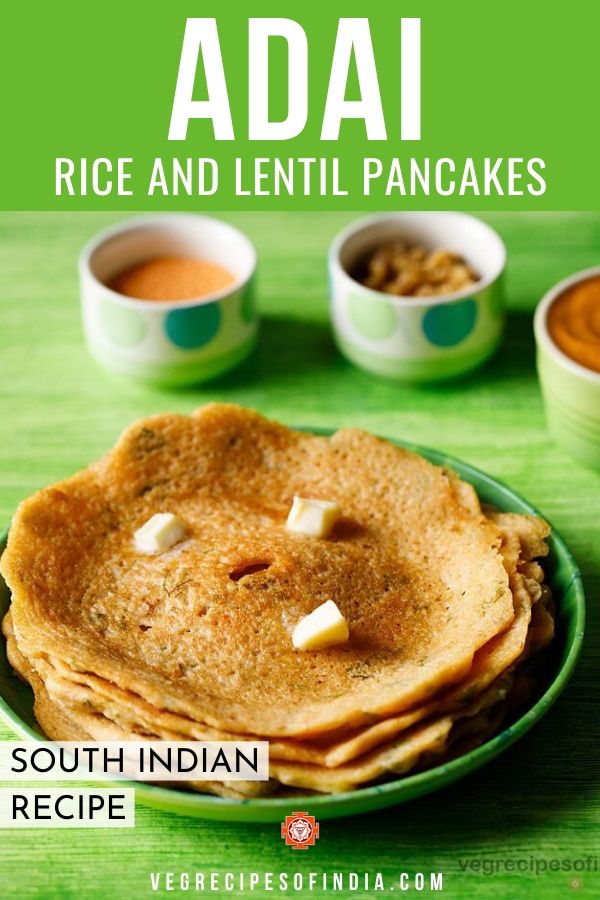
pixel 542 334
pixel 395 791
pixel 366 223
pixel 135 222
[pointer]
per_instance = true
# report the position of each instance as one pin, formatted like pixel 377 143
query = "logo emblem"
pixel 300 831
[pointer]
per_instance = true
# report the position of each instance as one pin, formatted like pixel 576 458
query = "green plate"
pixel 562 574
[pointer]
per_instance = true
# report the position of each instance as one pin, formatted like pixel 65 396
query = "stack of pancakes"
pixel 445 602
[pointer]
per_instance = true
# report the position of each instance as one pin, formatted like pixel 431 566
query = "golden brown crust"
pixel 114 644
pixel 85 690
pixel 415 571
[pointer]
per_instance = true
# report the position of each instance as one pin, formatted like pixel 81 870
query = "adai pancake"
pixel 66 723
pixel 87 691
pixel 395 757
pixel 61 725
pixel 199 631
pixel 415 748
pixel 89 705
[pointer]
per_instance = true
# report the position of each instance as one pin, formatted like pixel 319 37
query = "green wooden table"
pixel 540 801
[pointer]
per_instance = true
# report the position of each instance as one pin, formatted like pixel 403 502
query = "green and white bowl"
pixel 168 342
pixel 571 392
pixel 418 339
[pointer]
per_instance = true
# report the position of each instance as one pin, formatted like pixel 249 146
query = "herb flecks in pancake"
pixel 196 642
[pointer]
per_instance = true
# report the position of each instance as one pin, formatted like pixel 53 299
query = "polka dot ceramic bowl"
pixel 168 342
pixel 418 339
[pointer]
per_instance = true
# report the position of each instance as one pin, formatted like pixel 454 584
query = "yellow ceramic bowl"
pixel 571 392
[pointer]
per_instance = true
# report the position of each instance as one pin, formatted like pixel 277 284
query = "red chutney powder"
pixel 171 278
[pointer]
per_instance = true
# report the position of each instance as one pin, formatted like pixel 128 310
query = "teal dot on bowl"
pixel 372 317
pixel 449 324
pixel 121 324
pixel 194 326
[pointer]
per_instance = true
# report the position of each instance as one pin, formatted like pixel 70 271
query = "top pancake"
pixel 413 565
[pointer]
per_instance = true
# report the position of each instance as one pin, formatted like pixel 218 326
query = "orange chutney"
pixel 171 278
pixel 574 323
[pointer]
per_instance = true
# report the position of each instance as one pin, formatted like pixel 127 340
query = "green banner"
pixel 335 106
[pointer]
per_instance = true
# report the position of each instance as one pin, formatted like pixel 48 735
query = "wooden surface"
pixel 541 799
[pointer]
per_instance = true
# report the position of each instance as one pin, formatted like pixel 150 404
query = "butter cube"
pixel 315 518
pixel 324 627
pixel 160 532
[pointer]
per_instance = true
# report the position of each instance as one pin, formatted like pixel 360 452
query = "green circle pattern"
pixel 122 325
pixel 373 318
pixel 193 327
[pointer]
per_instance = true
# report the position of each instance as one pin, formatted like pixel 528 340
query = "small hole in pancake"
pixel 145 627
pixel 248 568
